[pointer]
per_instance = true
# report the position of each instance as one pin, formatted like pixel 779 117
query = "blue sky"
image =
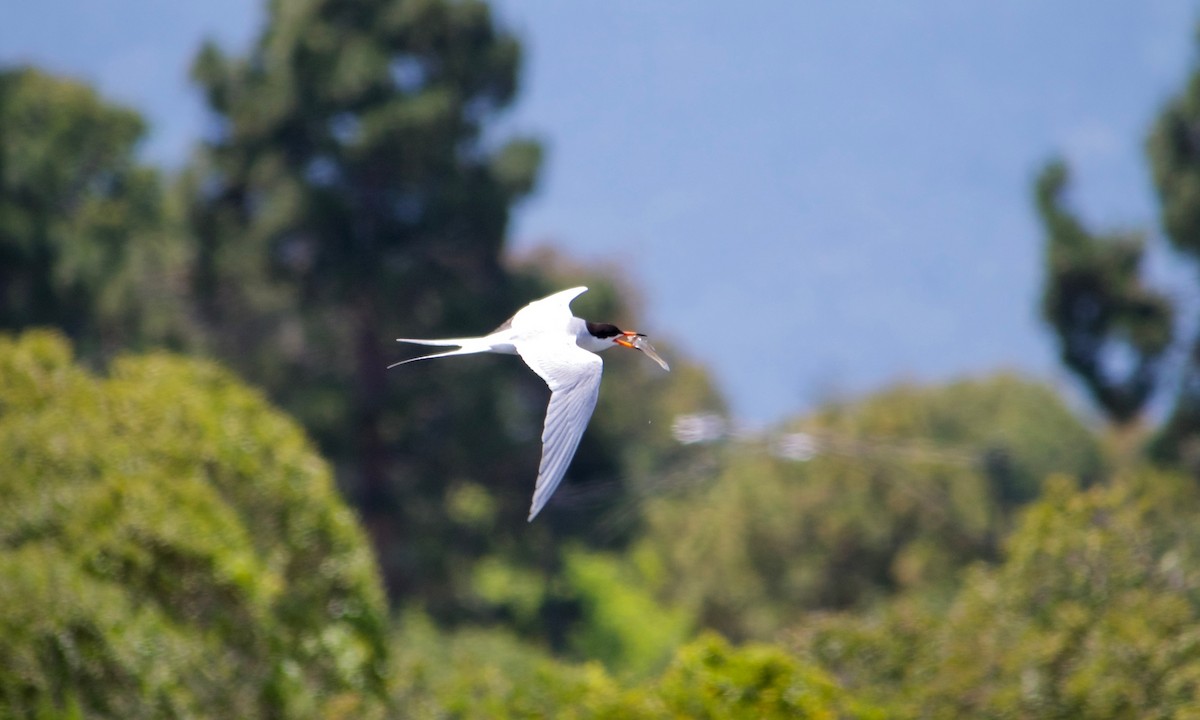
pixel 816 199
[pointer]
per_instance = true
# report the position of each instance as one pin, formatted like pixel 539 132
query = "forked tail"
pixel 466 346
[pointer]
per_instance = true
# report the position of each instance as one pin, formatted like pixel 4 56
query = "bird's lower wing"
pixel 573 375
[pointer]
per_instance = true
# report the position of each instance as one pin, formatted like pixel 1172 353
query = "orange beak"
pixel 623 341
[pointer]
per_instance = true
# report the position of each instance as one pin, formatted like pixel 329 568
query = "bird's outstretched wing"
pixel 573 375
pixel 548 312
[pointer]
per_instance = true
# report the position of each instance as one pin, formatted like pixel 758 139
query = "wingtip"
pixel 534 509
pixel 570 293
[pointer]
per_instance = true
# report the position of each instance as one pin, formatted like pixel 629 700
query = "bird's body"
pixel 561 349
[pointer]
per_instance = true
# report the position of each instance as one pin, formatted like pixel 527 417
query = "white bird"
pixel 561 349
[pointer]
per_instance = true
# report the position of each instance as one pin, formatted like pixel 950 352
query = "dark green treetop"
pixel 84 243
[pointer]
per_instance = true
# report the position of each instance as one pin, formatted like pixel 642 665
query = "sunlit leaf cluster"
pixel 173 547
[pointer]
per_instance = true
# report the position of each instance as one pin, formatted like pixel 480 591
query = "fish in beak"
pixel 638 341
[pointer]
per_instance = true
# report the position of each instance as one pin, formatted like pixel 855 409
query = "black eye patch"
pixel 603 330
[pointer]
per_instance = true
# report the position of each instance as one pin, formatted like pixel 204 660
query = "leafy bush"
pixel 490 674
pixel 1095 612
pixel 622 624
pixel 172 547
pixel 711 679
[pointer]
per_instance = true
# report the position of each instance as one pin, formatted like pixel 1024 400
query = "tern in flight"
pixel 561 349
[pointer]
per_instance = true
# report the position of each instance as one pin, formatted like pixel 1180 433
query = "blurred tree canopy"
pixel 1113 328
pixel 171 546
pixel 491 675
pixel 1094 612
pixel 907 487
pixel 84 233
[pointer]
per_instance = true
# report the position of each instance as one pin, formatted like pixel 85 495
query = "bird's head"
pixel 625 338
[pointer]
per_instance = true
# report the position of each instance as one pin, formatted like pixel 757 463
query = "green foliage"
pixel 1013 430
pixel 489 674
pixel 908 486
pixel 1174 153
pixel 1095 612
pixel 880 654
pixel 711 679
pixel 172 547
pixel 1098 306
pixel 84 232
pixel 1113 328
pixel 478 673
pixel 621 623
pixel 615 617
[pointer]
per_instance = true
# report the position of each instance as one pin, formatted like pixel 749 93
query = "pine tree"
pixel 352 193
pixel 84 236
pixel 1114 329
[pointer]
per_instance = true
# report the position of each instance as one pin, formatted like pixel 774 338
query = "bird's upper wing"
pixel 573 375
pixel 547 312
